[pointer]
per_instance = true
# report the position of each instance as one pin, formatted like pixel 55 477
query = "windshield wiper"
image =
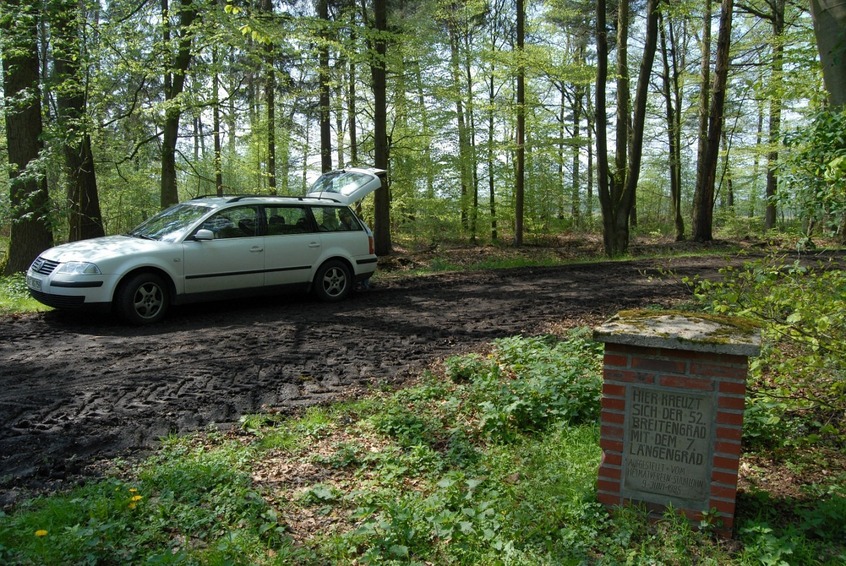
pixel 142 236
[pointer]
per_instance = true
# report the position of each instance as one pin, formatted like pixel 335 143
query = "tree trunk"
pixel 463 154
pixel 830 31
pixel 616 198
pixel 30 231
pixel 351 103
pixel 623 97
pixel 323 80
pixel 174 84
pixel 270 104
pixel 776 101
pixel 491 179
pixel 704 201
pixel 218 171
pixel 575 191
pixel 520 180
pixel 382 201
pixel 85 220
pixel 426 130
pixel 639 119
pixel 471 131
pixel 671 101
pixel 603 178
pixel 591 124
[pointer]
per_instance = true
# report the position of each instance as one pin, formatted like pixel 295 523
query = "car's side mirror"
pixel 203 234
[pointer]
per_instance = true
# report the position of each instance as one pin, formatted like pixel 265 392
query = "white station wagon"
pixel 217 247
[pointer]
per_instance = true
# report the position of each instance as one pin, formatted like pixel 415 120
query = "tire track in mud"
pixel 75 390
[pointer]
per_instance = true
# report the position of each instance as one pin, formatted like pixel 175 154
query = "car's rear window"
pixel 335 219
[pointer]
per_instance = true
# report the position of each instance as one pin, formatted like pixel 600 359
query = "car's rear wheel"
pixel 333 281
pixel 143 299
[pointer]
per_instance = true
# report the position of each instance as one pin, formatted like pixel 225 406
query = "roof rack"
pixel 238 197
pixel 213 195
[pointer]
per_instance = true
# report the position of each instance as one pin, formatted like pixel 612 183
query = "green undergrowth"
pixel 14 296
pixel 490 458
pixel 798 383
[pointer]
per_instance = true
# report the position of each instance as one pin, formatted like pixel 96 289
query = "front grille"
pixel 44 266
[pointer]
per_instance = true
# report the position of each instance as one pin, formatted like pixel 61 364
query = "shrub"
pixel 545 381
pixel 798 384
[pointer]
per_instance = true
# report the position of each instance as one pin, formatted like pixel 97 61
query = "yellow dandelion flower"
pixel 41 533
pixel 137 498
pixel 132 490
pixel 132 506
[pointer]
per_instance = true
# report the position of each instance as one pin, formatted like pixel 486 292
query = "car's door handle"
pixel 314 244
pixel 256 249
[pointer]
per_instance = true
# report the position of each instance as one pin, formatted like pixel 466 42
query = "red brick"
pixel 724 492
pixel 722 506
pixel 726 462
pixel 686 382
pixel 609 473
pixel 613 390
pixel 733 387
pixel 716 370
pixel 611 445
pixel 628 376
pixel 611 417
pixel 700 356
pixel 736 403
pixel 730 419
pixel 730 448
pixel 609 499
pixel 614 360
pixel 662 366
pixel 627 349
pixel 721 359
pixel 674 353
pixel 607 485
pixel 727 433
pixel 611 432
pixel 613 404
pixel 612 459
pixel 727 478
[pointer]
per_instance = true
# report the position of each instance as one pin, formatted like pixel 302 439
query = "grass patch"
pixel 491 459
pixel 14 296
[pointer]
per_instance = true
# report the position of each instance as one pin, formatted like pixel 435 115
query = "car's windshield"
pixel 170 224
pixel 341 182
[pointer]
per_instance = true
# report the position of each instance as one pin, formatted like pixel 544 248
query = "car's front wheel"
pixel 333 281
pixel 143 299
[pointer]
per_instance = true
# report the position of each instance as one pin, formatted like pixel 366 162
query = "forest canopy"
pixel 494 118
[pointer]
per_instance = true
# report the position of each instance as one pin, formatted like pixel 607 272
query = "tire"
pixel 143 299
pixel 333 281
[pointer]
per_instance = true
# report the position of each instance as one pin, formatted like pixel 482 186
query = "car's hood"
pixel 99 249
pixel 347 185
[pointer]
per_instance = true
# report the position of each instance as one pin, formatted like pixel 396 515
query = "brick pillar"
pixel 673 395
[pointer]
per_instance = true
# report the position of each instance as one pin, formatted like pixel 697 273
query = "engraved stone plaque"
pixel 668 445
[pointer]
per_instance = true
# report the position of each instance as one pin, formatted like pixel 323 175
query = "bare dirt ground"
pixel 76 390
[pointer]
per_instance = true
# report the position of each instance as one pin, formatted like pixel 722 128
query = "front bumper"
pixel 89 292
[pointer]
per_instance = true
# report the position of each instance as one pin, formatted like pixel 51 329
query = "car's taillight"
pixel 372 245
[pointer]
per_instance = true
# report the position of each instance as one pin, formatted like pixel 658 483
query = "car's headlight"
pixel 78 268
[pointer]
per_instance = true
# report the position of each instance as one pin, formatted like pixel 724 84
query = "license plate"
pixel 33 282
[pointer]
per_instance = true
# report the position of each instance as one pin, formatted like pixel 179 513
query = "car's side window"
pixel 287 220
pixel 238 222
pixel 334 219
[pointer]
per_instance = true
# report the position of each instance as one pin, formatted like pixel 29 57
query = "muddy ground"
pixel 78 390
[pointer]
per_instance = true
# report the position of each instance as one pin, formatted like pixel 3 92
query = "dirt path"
pixel 76 390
